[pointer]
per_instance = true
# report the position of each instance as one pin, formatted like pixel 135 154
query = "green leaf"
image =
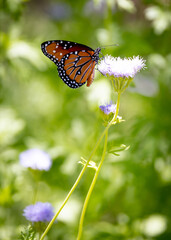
pixel 115 149
pixel 27 234
pixel 91 164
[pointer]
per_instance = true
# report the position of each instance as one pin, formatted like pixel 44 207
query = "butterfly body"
pixel 76 62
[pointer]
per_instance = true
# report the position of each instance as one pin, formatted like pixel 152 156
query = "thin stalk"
pixel 126 85
pixel 75 185
pixel 113 83
pixel 36 175
pixel 96 173
pixel 35 192
pixel 91 189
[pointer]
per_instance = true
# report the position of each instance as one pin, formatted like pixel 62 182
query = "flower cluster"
pixel 108 112
pixel 108 108
pixel 39 212
pixel 35 159
pixel 118 67
pixel 121 71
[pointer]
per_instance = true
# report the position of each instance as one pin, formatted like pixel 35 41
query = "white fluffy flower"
pixel 118 67
pixel 35 159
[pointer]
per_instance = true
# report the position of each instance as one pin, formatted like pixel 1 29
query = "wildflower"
pixel 121 71
pixel 109 108
pixel 107 113
pixel 39 212
pixel 117 67
pixel 35 159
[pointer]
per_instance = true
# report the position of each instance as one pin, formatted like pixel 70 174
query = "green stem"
pixel 113 84
pixel 91 189
pixel 126 85
pixel 97 172
pixel 36 176
pixel 39 235
pixel 74 186
pixel 35 192
pixel 83 170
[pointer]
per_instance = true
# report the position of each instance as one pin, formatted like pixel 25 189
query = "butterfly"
pixel 75 62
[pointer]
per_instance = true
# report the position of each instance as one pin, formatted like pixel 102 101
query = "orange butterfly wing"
pixel 76 62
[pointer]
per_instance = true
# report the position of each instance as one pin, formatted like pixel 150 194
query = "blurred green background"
pixel 131 200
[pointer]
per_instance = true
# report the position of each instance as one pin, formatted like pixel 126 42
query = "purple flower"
pixel 124 68
pixel 39 212
pixel 35 159
pixel 108 108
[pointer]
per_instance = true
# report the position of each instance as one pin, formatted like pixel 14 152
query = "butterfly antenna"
pixel 109 45
pixel 104 48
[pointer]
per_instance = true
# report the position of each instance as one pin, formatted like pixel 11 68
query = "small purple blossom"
pixel 108 108
pixel 39 212
pixel 124 68
pixel 35 159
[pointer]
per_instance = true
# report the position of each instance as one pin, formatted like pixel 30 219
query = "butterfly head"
pixel 96 54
